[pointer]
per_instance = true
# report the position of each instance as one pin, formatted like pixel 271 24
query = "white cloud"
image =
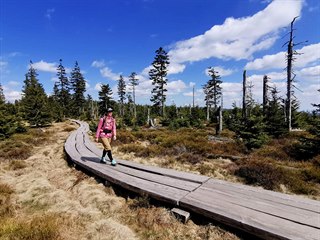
pixel 220 71
pixel 3 65
pixel 107 73
pixel 45 66
pixel 13 83
pixel 98 64
pixel 175 87
pixel 311 73
pixel 11 95
pixel 98 86
pixel 238 38
pixel 192 84
pixel 49 13
pixel 174 68
pixel 310 54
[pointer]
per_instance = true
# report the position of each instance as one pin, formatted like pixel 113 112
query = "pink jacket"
pixel 109 123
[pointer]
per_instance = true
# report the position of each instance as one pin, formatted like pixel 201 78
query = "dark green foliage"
pixel 158 76
pixel 2 98
pixel 274 116
pixel 317 105
pixel 78 86
pixel 34 101
pixel 213 89
pixel 252 132
pixel 61 91
pixel 308 147
pixel 121 94
pixel 133 81
pixel 105 98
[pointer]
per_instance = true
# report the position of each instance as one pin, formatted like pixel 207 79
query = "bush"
pixel 125 137
pixel 262 174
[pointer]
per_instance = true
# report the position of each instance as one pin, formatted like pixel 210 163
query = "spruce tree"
pixel 105 98
pixel 317 105
pixel 2 97
pixel 274 115
pixel 121 94
pixel 63 90
pixel 78 85
pixel 212 91
pixel 34 101
pixel 158 76
pixel 133 83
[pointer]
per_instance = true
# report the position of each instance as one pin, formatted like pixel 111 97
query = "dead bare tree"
pixel 244 96
pixel 290 74
pixel 265 93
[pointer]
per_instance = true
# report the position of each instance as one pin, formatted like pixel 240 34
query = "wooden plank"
pixel 192 177
pixel 264 195
pixel 141 186
pixel 86 154
pixel 256 223
pixel 281 211
pixel 164 180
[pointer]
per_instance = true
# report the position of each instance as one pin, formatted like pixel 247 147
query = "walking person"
pixel 107 132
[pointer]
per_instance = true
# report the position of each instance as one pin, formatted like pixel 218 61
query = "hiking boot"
pixel 113 162
pixel 103 160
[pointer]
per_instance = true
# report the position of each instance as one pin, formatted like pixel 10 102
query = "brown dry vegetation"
pixel 273 166
pixel 41 197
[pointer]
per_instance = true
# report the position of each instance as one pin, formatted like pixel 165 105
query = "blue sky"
pixel 109 38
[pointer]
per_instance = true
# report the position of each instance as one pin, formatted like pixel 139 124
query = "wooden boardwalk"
pixel 265 214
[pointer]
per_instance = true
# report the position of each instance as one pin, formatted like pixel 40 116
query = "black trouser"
pixel 109 154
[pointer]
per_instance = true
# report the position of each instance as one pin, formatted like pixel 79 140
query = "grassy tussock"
pixel 45 227
pixel 17 164
pixel 6 206
pixel 20 146
pixel 159 223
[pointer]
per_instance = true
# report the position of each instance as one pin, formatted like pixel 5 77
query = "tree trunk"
pixel 244 91
pixel 265 93
pixel 289 77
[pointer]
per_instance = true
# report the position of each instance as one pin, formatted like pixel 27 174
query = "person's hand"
pixel 97 139
pixel 114 137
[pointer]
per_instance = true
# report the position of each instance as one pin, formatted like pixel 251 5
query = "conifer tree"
pixel 317 105
pixel 212 91
pixel 34 101
pixel 121 94
pixel 2 97
pixel 63 90
pixel 5 120
pixel 158 76
pixel 274 115
pixel 133 83
pixel 105 97
pixel 78 85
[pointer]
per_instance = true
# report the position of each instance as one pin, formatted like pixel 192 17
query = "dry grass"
pixel 158 223
pixel 50 200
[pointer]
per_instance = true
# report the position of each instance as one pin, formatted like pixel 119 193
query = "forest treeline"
pixel 253 123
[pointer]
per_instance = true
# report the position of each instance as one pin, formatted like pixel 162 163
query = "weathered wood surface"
pixel 266 214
